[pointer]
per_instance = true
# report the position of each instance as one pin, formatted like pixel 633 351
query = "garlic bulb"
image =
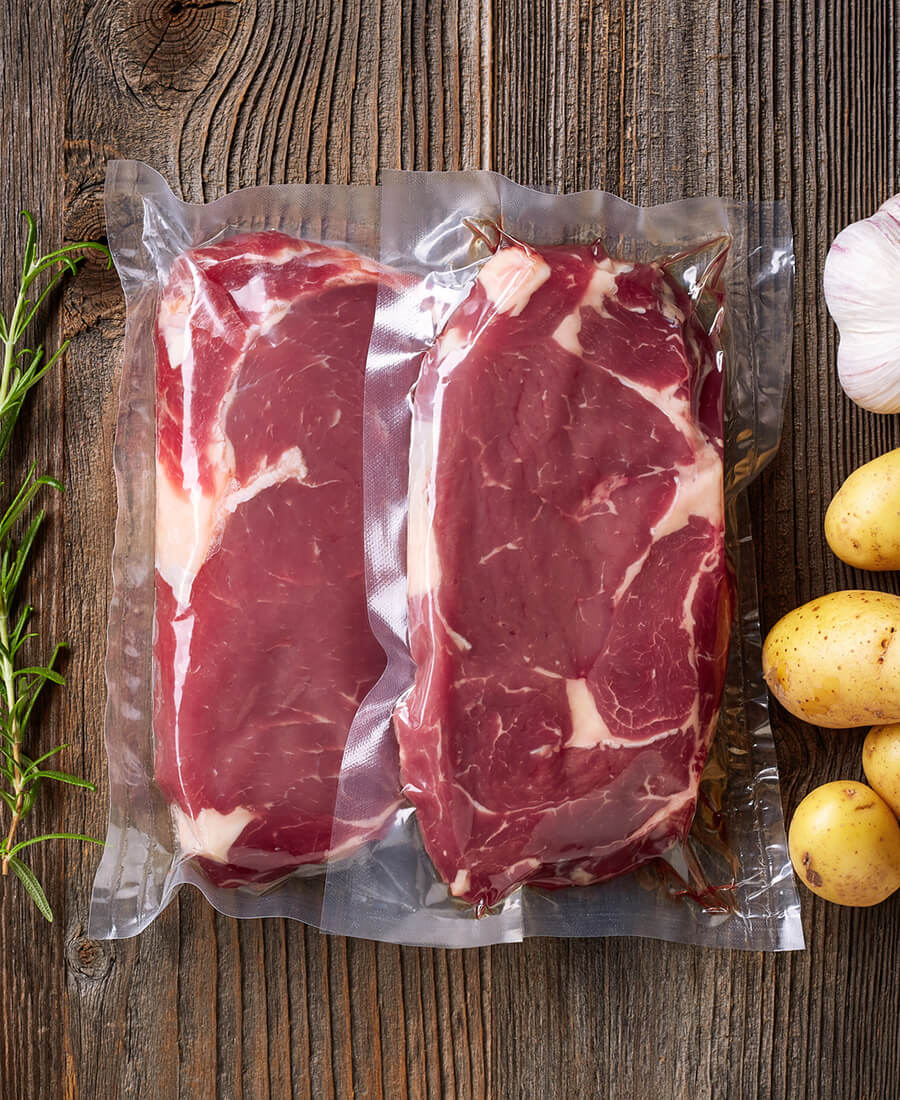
pixel 862 289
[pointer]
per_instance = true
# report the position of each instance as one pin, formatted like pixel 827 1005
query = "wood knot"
pixel 88 959
pixel 168 49
pixel 94 296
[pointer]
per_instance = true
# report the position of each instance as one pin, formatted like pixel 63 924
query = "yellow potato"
pixel 862 523
pixel 845 844
pixel 881 763
pixel 835 661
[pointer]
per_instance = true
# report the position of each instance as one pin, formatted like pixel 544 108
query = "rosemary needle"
pixel 20 685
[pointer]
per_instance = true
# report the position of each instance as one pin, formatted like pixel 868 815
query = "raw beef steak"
pixel 569 607
pixel 263 649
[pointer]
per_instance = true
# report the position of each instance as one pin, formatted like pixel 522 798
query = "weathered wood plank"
pixel 273 92
pixel 33 972
pixel 760 99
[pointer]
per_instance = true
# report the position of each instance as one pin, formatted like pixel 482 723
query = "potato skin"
pixel 881 763
pixel 844 843
pixel 835 661
pixel 862 524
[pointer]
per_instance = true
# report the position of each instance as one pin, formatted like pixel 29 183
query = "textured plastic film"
pixel 729 883
pixel 205 286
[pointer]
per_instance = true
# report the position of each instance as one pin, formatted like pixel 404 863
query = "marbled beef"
pixel 263 649
pixel 569 606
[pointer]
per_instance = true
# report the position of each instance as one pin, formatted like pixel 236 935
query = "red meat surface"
pixel 263 650
pixel 569 605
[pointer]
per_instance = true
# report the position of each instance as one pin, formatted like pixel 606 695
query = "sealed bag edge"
pixel 434 242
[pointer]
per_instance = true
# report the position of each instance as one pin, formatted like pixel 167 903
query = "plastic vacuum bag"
pixel 239 645
pixel 563 409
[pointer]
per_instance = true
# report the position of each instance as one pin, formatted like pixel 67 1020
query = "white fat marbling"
pixel 588 727
pixel 698 492
pixel 210 834
pixel 511 276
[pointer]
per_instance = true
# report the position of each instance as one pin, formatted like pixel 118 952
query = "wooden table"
pixel 653 99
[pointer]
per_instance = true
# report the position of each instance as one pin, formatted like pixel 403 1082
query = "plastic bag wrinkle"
pixel 399 896
pixel 213 627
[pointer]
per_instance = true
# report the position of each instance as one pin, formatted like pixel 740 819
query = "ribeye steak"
pixel 263 649
pixel 569 604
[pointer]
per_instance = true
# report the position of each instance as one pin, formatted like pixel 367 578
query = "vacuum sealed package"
pixel 564 404
pixel 239 643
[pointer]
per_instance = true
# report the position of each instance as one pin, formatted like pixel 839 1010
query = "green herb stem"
pixel 21 683
pixel 15 737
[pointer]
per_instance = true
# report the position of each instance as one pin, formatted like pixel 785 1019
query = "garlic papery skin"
pixel 862 289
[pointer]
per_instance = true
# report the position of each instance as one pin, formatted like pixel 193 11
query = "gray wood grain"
pixel 33 974
pixel 653 100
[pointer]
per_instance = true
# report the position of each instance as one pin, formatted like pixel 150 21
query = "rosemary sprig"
pixel 20 684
